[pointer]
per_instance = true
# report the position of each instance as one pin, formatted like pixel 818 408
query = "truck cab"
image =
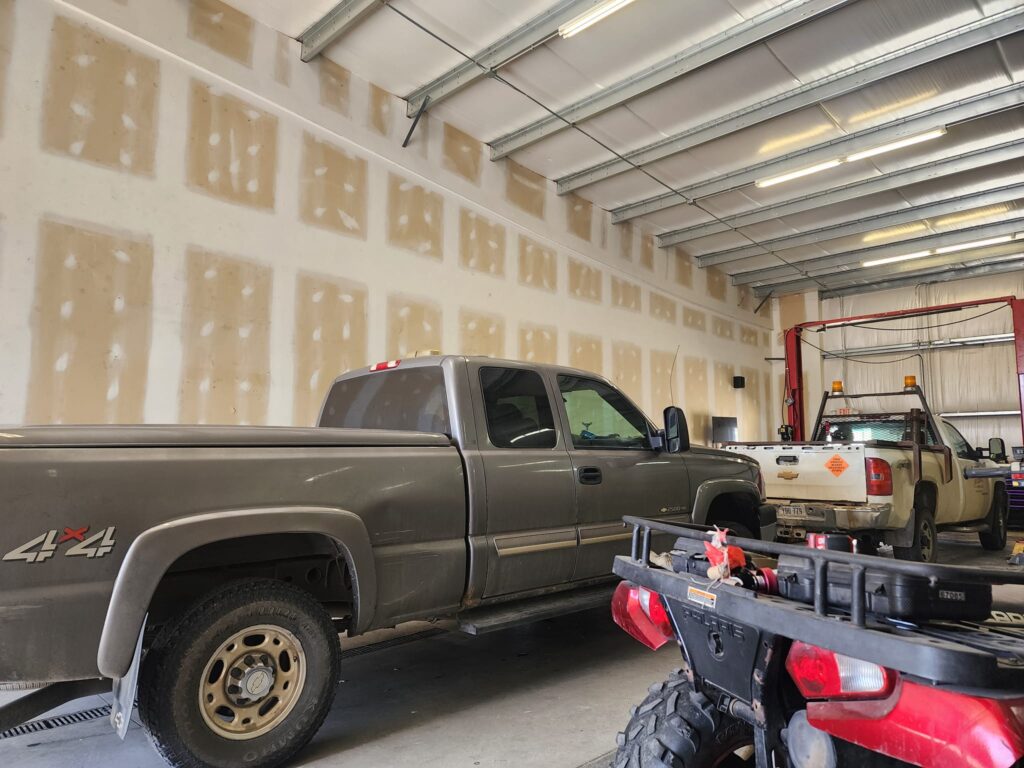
pixel 553 457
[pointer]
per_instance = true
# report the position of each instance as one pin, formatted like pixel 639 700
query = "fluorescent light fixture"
pixel 894 259
pixel 975 244
pixel 773 180
pixel 898 144
pixel 591 17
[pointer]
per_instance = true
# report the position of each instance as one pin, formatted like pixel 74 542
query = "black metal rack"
pixel 943 652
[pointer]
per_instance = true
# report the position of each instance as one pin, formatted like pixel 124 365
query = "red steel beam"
pixel 794 358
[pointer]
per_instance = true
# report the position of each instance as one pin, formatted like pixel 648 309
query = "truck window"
pixel 518 409
pixel 891 427
pixel 960 445
pixel 600 416
pixel 413 399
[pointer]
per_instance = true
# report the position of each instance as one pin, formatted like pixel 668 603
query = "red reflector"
pixel 642 614
pixel 879 476
pixel 822 674
pixel 385 366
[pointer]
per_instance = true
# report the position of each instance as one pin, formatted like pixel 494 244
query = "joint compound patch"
pixel 837 465
pixel 701 597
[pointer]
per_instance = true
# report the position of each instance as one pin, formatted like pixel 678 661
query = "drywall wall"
pixel 195 226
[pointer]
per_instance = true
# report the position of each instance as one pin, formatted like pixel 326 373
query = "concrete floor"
pixel 549 694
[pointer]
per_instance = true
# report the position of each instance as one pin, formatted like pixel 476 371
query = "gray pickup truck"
pixel 212 568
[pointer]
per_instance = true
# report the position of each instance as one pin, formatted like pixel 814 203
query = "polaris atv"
pixel 815 657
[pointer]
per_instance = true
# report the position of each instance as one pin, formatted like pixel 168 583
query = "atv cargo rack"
pixel 954 653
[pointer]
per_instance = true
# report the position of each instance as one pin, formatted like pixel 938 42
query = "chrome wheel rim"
pixel 252 682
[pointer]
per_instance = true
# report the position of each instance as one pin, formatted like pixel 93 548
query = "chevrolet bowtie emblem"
pixel 788 474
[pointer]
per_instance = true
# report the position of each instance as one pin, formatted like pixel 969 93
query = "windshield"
pixel 891 427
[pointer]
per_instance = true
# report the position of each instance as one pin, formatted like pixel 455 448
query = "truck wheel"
pixel 245 676
pixel 925 548
pixel 676 727
pixel 994 539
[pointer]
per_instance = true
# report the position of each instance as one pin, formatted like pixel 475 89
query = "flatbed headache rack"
pixel 954 653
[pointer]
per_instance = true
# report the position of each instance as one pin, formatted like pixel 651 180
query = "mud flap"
pixel 904 537
pixel 124 690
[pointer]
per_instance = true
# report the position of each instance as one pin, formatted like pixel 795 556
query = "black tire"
pixel 174 668
pixel 925 548
pixel 994 539
pixel 676 727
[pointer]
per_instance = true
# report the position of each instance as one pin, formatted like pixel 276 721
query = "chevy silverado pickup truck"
pixel 894 478
pixel 212 568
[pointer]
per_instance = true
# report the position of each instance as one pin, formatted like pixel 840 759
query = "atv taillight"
pixel 823 674
pixel 879 476
pixel 642 614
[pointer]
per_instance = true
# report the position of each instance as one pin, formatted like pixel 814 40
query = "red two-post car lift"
pixel 794 361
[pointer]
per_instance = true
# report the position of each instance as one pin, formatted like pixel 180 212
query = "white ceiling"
pixel 390 51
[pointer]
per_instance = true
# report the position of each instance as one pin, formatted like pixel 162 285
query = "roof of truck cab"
pixel 437 360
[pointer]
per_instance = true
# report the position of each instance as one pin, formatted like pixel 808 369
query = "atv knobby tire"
pixel 676 727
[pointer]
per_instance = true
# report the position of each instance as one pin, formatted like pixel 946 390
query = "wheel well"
pixel 735 507
pixel 928 494
pixel 309 561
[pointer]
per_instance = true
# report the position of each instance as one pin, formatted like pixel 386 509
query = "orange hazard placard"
pixel 837 465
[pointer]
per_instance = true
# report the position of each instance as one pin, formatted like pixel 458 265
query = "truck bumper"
pixel 796 519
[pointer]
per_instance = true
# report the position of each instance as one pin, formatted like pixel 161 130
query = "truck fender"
pixel 710 490
pixel 157 548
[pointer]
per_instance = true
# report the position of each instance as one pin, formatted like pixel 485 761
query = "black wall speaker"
pixel 738 382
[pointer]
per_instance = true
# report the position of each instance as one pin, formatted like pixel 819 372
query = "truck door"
pixel 616 471
pixel 531 508
pixel 973 493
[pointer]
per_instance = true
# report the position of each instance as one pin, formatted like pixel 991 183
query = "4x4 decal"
pixel 44 546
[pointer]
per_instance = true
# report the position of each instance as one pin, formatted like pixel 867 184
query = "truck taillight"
pixel 823 674
pixel 387 365
pixel 642 614
pixel 879 476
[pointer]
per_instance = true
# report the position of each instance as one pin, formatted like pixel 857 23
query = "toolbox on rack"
pixel 887 594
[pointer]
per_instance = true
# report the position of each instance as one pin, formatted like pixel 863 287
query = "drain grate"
pixel 59 721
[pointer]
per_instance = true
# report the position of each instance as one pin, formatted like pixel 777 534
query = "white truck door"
pixel 974 493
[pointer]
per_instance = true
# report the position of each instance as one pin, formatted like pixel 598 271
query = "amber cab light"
pixel 878 473
pixel 909 382
pixel 837 387
pixel 823 674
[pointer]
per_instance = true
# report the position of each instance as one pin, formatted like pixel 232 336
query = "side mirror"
pixel 997 449
pixel 677 433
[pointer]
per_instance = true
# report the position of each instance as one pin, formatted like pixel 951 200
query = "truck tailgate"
pixel 811 472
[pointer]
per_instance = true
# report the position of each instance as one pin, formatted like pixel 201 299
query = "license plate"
pixel 799 513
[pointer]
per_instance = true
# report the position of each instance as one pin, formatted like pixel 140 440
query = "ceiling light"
pixel 981 213
pixel 773 180
pixel 888 234
pixel 975 244
pixel 894 259
pixel 898 144
pixel 591 17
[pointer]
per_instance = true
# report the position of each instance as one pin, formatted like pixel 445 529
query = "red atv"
pixel 807 657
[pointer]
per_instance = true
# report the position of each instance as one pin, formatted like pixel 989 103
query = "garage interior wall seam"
pixel 222 263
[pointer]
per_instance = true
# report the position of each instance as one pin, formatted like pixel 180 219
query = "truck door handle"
pixel 787 460
pixel 589 475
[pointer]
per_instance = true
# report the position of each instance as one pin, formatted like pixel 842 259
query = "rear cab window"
pixel 411 399
pixel 856 428
pixel 517 408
